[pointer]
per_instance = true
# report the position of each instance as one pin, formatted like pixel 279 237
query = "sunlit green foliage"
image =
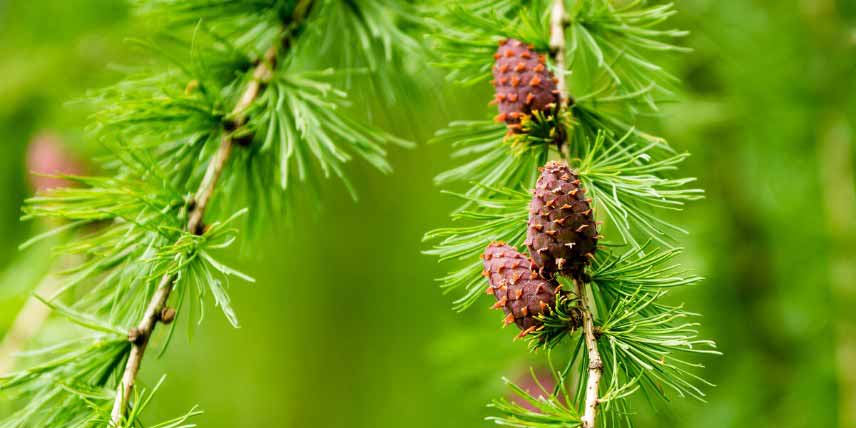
pixel 161 126
pixel 645 344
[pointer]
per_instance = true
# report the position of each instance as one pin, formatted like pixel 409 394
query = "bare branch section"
pixel 558 23
pixel 140 335
pixel 595 364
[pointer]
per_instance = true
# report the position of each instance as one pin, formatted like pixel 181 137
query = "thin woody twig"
pixel 595 364
pixel 558 23
pixel 140 335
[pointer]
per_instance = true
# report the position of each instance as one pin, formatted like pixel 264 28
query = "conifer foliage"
pixel 565 171
pixel 240 109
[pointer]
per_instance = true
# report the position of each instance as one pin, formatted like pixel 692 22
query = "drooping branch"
pixel 595 364
pixel 558 23
pixel 590 123
pixel 139 336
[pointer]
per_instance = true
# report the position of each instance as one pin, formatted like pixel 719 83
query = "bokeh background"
pixel 345 327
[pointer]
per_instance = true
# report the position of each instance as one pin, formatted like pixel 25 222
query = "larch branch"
pixel 595 363
pixel 140 335
pixel 558 23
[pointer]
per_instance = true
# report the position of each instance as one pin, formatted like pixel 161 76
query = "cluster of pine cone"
pixel 561 238
pixel 562 234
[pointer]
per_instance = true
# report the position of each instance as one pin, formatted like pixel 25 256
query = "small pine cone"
pixel 562 234
pixel 523 83
pixel 519 290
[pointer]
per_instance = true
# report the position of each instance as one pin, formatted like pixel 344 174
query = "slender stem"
pixel 140 335
pixel 558 23
pixel 595 365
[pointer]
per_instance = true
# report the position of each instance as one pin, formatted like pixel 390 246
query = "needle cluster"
pixel 600 223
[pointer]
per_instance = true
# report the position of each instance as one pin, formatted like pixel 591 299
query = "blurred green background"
pixel 345 327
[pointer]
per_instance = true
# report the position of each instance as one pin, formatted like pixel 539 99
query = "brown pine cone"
pixel 523 83
pixel 562 234
pixel 519 290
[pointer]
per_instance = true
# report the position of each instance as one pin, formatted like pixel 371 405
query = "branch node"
pixel 243 139
pixel 200 229
pixel 167 315
pixel 136 336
